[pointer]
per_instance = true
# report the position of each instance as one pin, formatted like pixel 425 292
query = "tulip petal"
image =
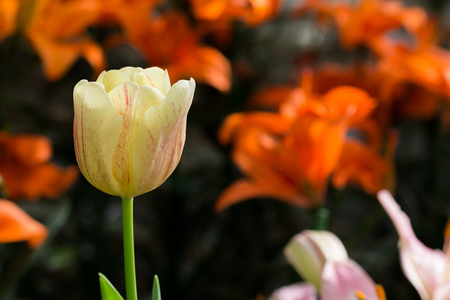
pixel 160 138
pixel 298 291
pixel 424 267
pixel 341 280
pixel 131 102
pixel 97 127
pixel 111 79
pixel 159 79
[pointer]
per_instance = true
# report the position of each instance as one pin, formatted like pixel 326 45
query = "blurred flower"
pixel 8 14
pixel 57 30
pixel 410 73
pixel 253 12
pixel 290 155
pixel 125 13
pixel 427 67
pixel 298 291
pixel 16 226
pixel 130 128
pixel 398 95
pixel 362 161
pixel 26 171
pixel 366 21
pixel 321 258
pixel 427 269
pixel 168 41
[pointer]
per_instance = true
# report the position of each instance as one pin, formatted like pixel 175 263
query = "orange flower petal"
pixel 57 57
pixel 46 180
pixel 27 149
pixel 318 144
pixel 237 123
pixel 242 190
pixel 25 170
pixel 204 64
pixel 8 14
pixel 57 31
pixel 362 165
pixel 16 226
pixel 270 97
pixel 348 101
pixel 208 9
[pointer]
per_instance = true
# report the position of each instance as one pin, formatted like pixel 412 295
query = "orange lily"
pixel 396 94
pixel 26 171
pixel 361 24
pixel 253 12
pixel 363 165
pixel 126 13
pixel 181 52
pixel 17 226
pixel 8 14
pixel 57 31
pixel 169 42
pixel 426 67
pixel 289 155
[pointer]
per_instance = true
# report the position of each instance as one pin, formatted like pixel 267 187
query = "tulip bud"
pixel 310 250
pixel 130 128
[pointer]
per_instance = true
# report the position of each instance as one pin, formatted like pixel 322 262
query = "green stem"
pixel 128 247
pixel 321 218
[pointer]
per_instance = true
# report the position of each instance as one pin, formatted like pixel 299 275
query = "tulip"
pixel 129 132
pixel 130 128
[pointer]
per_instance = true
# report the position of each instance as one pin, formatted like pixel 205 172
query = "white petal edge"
pixel 298 291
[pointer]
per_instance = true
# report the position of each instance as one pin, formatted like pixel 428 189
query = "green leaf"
pixel 108 291
pixel 156 293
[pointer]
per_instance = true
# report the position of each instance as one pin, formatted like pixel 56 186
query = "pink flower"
pixel 321 258
pixel 427 269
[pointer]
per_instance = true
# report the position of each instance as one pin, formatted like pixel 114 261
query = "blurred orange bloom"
pixel 26 171
pixel 362 23
pixel 126 13
pixel 253 12
pixel 290 155
pixel 16 226
pixel 8 14
pixel 398 96
pixel 169 42
pixel 57 30
pixel 426 67
pixel 363 164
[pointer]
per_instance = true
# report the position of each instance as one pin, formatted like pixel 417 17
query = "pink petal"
pixel 424 267
pixel 298 291
pixel 341 281
pixel 442 292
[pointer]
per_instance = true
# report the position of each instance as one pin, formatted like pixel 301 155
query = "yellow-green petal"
pixel 96 133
